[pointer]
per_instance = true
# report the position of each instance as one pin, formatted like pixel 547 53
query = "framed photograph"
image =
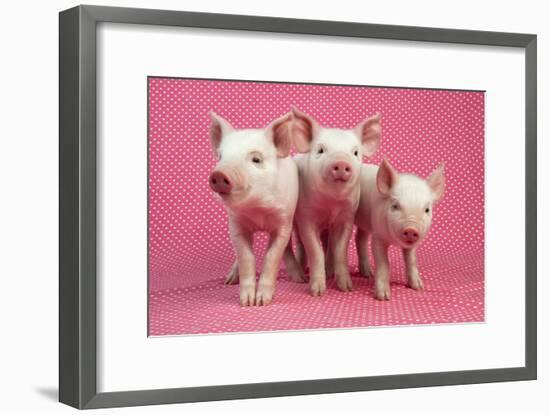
pixel 299 206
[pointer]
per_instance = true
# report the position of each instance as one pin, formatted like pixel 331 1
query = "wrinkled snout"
pixel 341 170
pixel 410 235
pixel 221 182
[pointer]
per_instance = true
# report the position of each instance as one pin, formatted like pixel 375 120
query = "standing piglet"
pixel 329 174
pixel 396 208
pixel 257 181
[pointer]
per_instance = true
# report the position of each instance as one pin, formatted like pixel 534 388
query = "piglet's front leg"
pixel 272 261
pixel 339 240
pixel 361 244
pixel 382 275
pixel 413 276
pixel 242 242
pixel 310 236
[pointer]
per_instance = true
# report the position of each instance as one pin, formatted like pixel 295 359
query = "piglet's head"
pixel 408 203
pixel 334 155
pixel 247 159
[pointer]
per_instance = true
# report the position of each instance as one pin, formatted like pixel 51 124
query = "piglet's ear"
pixel 436 181
pixel 280 131
pixel 386 178
pixel 218 128
pixel 304 128
pixel 369 131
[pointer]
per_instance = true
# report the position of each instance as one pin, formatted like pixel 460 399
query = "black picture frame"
pixel 77 205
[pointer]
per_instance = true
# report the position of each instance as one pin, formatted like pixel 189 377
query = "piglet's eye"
pixel 355 153
pixel 395 206
pixel 427 210
pixel 321 150
pixel 256 160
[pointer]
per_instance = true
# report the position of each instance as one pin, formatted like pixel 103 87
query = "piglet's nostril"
pixel 220 182
pixel 410 234
pixel 341 171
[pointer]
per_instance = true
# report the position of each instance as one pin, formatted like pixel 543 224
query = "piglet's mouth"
pixel 340 180
pixel 232 196
pixel 409 243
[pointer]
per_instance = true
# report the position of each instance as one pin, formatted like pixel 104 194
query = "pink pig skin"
pixel 257 182
pixel 329 194
pixel 396 209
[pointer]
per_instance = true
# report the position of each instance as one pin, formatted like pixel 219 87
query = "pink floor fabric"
pixel 189 247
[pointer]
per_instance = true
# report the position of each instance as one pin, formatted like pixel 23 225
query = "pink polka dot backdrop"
pixel 189 248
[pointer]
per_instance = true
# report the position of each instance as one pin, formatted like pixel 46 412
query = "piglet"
pixel 329 173
pixel 257 182
pixel 396 209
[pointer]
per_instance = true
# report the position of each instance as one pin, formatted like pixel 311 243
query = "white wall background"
pixel 28 205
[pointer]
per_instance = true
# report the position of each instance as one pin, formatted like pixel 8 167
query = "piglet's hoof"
pixel 247 294
pixel 264 295
pixel 318 288
pixel 382 292
pixel 296 274
pixel 344 283
pixel 365 271
pixel 416 283
pixel 232 277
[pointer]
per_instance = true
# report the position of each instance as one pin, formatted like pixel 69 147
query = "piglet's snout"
pixel 410 235
pixel 341 170
pixel 221 182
